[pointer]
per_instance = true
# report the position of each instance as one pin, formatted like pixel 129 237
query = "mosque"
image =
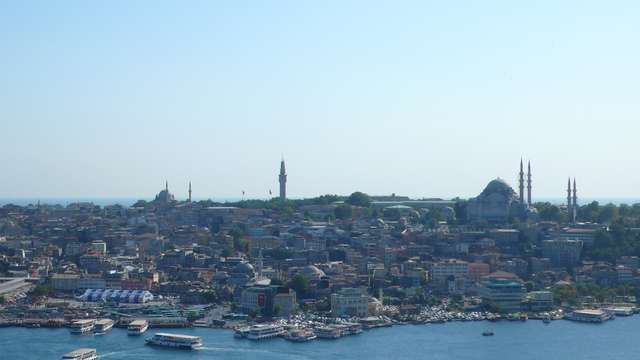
pixel 499 203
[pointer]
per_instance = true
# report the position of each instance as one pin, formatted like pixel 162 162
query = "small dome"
pixel 243 268
pixel 312 272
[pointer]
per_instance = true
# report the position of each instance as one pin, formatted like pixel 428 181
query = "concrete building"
pixel 562 253
pixel 440 271
pixel 502 294
pixel 350 302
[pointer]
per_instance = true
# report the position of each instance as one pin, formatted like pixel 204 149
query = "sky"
pixel 418 98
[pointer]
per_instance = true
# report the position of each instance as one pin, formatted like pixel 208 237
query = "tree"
pixel 343 212
pixel 300 284
pixel 359 199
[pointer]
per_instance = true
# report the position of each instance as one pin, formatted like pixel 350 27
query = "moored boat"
pixel 300 335
pixel 137 327
pixel 102 326
pixel 265 331
pixel 82 326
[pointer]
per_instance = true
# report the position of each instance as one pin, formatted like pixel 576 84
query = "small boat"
pixel 81 354
pixel 487 333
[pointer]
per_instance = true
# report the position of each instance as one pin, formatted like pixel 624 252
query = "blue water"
pixel 531 340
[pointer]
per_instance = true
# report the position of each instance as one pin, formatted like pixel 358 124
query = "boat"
pixel 82 326
pixel 590 316
pixel 300 335
pixel 328 332
pixel 137 327
pixel 487 333
pixel 352 329
pixel 265 331
pixel 81 354
pixel 175 341
pixel 102 326
pixel 242 332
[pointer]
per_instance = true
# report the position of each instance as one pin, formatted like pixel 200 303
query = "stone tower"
pixel 283 181
pixel 189 191
pixel 529 183
pixel 521 183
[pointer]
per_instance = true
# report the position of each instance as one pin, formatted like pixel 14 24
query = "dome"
pixel 243 268
pixel 312 272
pixel 497 186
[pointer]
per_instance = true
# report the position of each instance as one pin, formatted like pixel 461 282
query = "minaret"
pixel 283 181
pixel 569 207
pixel 575 201
pixel 529 183
pixel 521 183
pixel 166 185
pixel 189 191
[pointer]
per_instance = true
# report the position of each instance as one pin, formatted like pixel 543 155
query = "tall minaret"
pixel 189 191
pixel 521 182
pixel 529 183
pixel 575 201
pixel 166 185
pixel 569 207
pixel 283 181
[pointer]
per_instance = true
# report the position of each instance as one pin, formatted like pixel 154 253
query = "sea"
pixel 530 340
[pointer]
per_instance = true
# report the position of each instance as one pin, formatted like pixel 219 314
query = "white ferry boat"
pixel 102 326
pixel 591 316
pixel 175 341
pixel 328 332
pixel 264 331
pixel 242 332
pixel 137 327
pixel 300 335
pixel 82 326
pixel 81 354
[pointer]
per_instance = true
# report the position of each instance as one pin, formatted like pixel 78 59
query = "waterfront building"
pixel 562 253
pixel 350 302
pixel 64 282
pixel 540 300
pixel 442 270
pixel 502 293
pixel 268 300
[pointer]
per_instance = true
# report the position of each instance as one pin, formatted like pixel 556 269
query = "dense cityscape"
pixel 318 268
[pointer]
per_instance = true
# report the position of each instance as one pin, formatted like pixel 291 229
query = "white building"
pixel 350 302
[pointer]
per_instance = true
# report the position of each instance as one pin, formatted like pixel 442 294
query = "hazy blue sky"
pixel 413 97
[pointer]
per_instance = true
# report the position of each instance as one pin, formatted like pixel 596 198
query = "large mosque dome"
pixel 498 186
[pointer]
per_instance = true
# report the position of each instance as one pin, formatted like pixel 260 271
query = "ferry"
pixel 137 327
pixel 591 316
pixel 487 333
pixel 102 326
pixel 300 335
pixel 263 331
pixel 242 332
pixel 175 341
pixel 82 326
pixel 328 332
pixel 352 329
pixel 81 354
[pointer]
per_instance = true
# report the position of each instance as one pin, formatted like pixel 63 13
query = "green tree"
pixel 359 199
pixel 343 212
pixel 300 284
